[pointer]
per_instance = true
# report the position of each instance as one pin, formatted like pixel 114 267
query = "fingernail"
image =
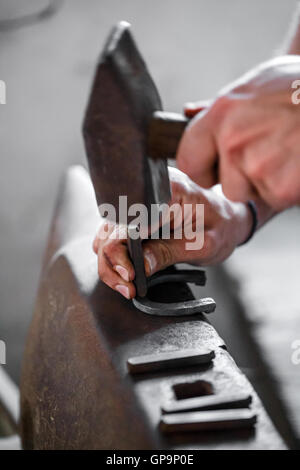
pixel 123 290
pixel 151 261
pixel 123 272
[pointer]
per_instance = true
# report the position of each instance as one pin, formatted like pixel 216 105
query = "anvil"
pixel 76 391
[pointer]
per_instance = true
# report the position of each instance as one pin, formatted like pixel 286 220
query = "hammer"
pixel 128 139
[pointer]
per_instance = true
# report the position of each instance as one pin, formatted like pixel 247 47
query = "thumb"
pixel 159 254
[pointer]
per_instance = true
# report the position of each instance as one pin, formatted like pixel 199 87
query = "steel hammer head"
pixel 122 103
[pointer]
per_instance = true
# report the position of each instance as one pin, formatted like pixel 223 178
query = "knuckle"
pixel 222 102
pixel 109 249
pixel 256 170
pixel 259 166
pixel 228 149
pixel 229 142
pixel 221 106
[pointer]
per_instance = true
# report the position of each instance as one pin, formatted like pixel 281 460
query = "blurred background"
pixel 48 52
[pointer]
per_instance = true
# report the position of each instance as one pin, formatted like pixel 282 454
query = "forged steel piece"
pixel 174 309
pixel 209 402
pixel 207 420
pixel 137 257
pixel 168 360
pixel 76 392
pixel 187 307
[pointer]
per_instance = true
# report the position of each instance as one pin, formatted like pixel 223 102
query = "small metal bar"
pixel 188 307
pixel 171 359
pixel 207 421
pixel 208 402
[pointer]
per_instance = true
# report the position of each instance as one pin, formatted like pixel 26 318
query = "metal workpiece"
pixel 210 402
pixel 168 360
pixel 174 309
pixel 137 257
pixel 186 307
pixel 76 392
pixel 143 301
pixel 219 420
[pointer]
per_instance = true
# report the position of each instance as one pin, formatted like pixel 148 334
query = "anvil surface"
pixel 76 392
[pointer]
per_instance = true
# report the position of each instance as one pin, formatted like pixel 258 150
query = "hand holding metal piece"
pixel 128 139
pixel 143 303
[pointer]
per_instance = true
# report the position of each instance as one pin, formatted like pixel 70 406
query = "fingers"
pixel 196 155
pixel 114 266
pixel 277 185
pixel 116 254
pixel 112 279
pixel 95 244
pixel 235 184
pixel 159 254
pixel 104 231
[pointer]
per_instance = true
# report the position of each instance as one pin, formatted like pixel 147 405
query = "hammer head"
pixel 121 105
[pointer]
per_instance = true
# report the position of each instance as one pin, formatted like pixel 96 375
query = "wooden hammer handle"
pixel 165 131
